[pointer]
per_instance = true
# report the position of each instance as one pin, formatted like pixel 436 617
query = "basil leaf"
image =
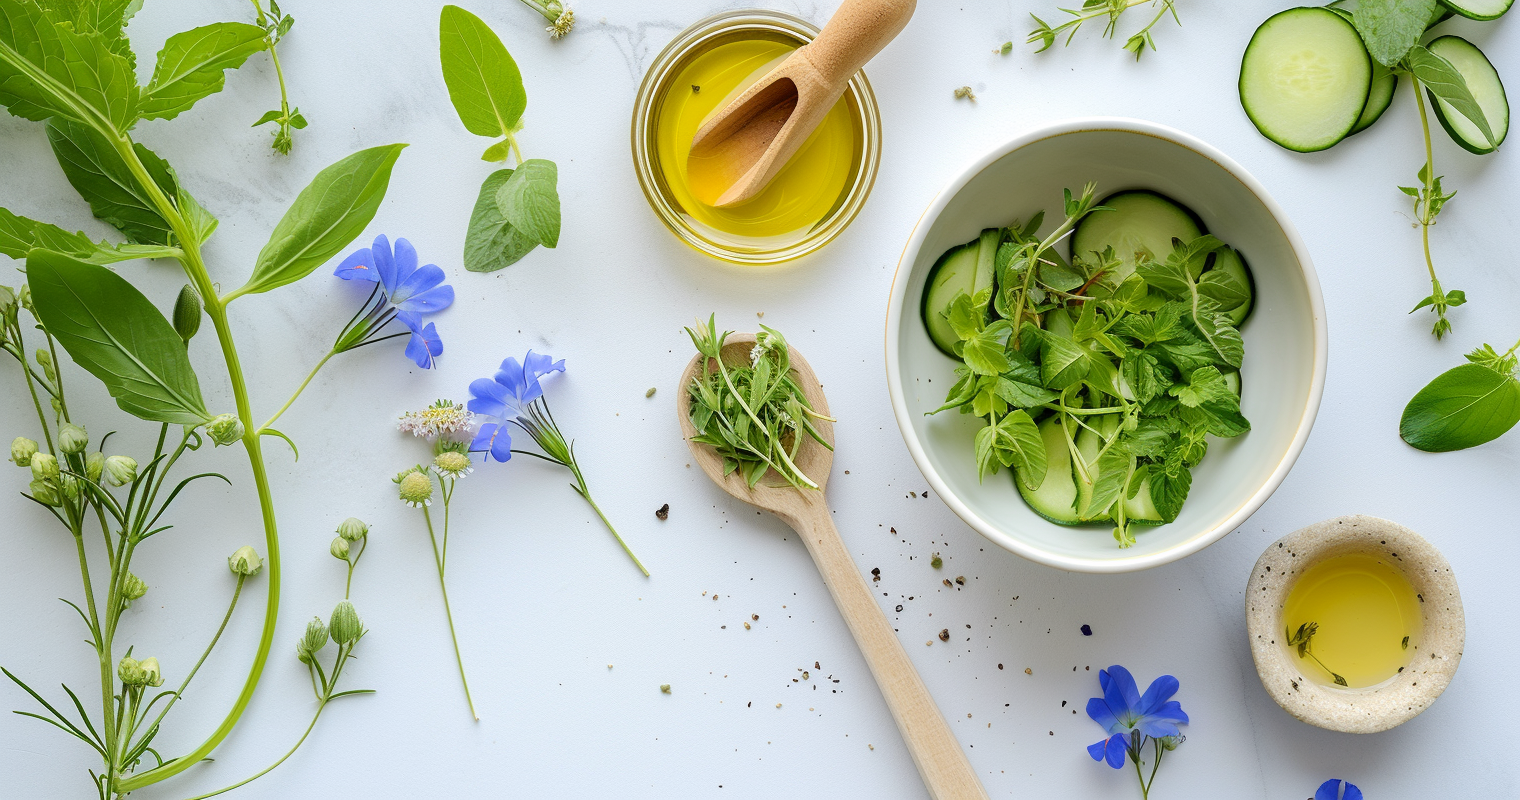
pixel 1169 487
pixel 1390 28
pixel 327 215
pixel 484 83
pixel 191 65
pixel 50 70
pixel 1022 395
pixel 102 178
pixel 491 242
pixel 1444 81
pixel 530 201
pixel 1463 407
pixel 1015 441
pixel 115 333
pixel 1063 362
pixel 1222 338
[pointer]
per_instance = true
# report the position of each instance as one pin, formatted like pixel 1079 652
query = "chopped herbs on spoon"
pixel 754 414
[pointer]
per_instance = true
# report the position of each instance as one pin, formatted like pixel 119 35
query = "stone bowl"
pixel 1374 708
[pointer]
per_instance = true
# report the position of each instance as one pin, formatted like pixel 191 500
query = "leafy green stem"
pixel 299 389
pixel 580 489
pixel 1429 200
pixel 442 585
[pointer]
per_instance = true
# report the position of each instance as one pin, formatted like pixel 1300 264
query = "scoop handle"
pixel 857 31
pixel 946 772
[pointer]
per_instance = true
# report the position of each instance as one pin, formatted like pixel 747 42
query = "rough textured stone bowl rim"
pixel 1371 709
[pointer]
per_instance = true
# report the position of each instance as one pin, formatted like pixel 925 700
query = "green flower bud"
pixel 24 297
pixel 452 465
pixel 44 467
pixel 94 466
pixel 345 625
pixel 45 493
pixel 22 450
pixel 339 548
pixel 245 561
pixel 70 485
pixel 72 438
pixel 120 470
pixel 151 674
pixel 416 489
pixel 314 640
pixel 7 300
pixel 131 672
pixel 187 312
pixel 353 529
pixel 44 359
pixel 225 429
pixel 132 588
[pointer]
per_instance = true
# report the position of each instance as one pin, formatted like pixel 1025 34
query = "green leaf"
pixel 326 216
pixel 1444 81
pixel 1207 392
pixel 1022 395
pixel 1390 28
pixel 19 235
pixel 113 331
pixel 986 352
pixel 491 243
pixel 484 83
pixel 1113 474
pixel 1224 289
pixel 1221 337
pixel 201 222
pixel 1463 407
pixel 530 201
pixel 191 66
pixel 1063 362
pixel 1145 375
pixel 100 175
pixel 1169 486
pixel 49 69
pixel 1015 441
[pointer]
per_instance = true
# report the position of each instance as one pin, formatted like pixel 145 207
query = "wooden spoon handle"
pixel 946 772
pixel 856 32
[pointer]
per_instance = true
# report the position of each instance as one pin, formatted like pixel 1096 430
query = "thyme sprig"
pixel 1045 35
pixel 1301 639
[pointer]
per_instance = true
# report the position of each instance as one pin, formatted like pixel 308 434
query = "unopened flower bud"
pixel 70 485
pixel 44 359
pixel 7 302
pixel 452 465
pixel 132 588
pixel 22 450
pixel 339 548
pixel 120 470
pixel 245 561
pixel 314 640
pixel 187 312
pixel 416 489
pixel 225 429
pixel 94 466
pixel 24 297
pixel 151 674
pixel 72 438
pixel 44 467
pixel 45 493
pixel 1172 742
pixel 131 672
pixel 353 529
pixel 345 625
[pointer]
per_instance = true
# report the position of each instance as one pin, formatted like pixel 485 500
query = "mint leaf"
pixel 1015 441
pixel 49 69
pixel 484 83
pixel 1206 392
pixel 530 200
pixel 191 66
pixel 986 353
pixel 491 243
pixel 1390 28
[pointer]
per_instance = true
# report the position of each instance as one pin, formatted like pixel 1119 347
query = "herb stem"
pixel 438 559
pixel 299 389
pixel 320 706
pixel 236 592
pixel 580 488
pixel 1426 217
pixel 26 371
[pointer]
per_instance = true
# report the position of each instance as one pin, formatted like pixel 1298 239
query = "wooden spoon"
pixel 745 144
pixel 946 772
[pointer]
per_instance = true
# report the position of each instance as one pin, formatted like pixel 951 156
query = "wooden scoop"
pixel 745 144
pixel 946 772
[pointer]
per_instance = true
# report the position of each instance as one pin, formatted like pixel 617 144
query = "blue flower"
pixel 408 287
pixel 424 344
pixel 1127 716
pixel 1331 790
pixel 506 398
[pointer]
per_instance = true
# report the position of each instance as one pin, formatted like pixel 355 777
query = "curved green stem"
pixel 299 389
pixel 238 590
pixel 320 706
pixel 581 489
pixel 438 559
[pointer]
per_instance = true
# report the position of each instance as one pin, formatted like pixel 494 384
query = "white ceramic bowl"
pixel 1283 374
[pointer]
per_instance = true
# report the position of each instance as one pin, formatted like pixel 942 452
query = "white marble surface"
pixel 544 600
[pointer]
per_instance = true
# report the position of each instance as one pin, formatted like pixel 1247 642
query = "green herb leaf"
pixel 19 235
pixel 191 66
pixel 1170 482
pixel 326 216
pixel 530 201
pixel 1444 81
pixel 1463 407
pixel 115 333
pixel 484 83
pixel 1015 441
pixel 986 353
pixel 1113 473
pixel 1207 392
pixel 1390 28
pixel 52 70
pixel 491 243
pixel 100 175
pixel 1224 289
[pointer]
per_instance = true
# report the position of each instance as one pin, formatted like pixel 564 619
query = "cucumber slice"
pixel 1479 9
pixel 1305 78
pixel 986 259
pixel 1483 81
pixel 1379 97
pixel 1141 221
pixel 1056 497
pixel 1089 442
pixel 1141 509
pixel 1229 260
pixel 953 274
pixel 1232 380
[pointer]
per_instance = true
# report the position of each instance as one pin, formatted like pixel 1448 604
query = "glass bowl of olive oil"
pixel 1356 623
pixel 814 197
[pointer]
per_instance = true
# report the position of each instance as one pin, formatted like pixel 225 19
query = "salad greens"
pixel 1099 389
pixel 70 66
pixel 1092 9
pixel 1465 406
pixel 518 209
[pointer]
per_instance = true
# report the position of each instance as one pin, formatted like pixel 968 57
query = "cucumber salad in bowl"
pixel 1099 375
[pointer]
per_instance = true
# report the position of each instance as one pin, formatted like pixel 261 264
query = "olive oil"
pixel 1352 620
pixel 799 197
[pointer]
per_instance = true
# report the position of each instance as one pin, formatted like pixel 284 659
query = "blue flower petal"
pixel 424 346
pixel 384 264
pixel 1351 793
pixel 1157 728
pixel 405 256
pixel 495 440
pixel 1331 790
pixel 1103 715
pixel 1160 691
pixel 415 282
pixel 538 365
pixel 1111 750
pixel 422 294
pixel 1097 750
pixel 359 266
pixel 1120 692
pixel 488 398
pixel 1171 712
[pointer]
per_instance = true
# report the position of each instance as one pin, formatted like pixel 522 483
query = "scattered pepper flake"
pixel 1028 671
pixel 746 626
pixel 946 582
pixel 663 512
pixel 1086 630
pixel 936 562
pixel 665 688
pixel 755 617
pixel 650 393
pixel 1000 666
pixel 960 580
pixel 695 89
pixel 944 635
